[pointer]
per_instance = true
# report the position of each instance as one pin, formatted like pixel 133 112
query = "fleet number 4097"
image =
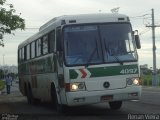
pixel 129 71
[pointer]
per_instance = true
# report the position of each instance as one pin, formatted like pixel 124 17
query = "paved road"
pixel 149 104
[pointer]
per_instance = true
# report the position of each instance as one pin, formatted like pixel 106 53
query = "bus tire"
pixel 25 90
pixel 59 107
pixel 115 105
pixel 29 95
pixel 31 100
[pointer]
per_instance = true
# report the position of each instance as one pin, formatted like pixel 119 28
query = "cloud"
pixel 37 12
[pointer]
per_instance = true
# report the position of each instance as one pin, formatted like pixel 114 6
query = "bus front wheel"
pixel 29 95
pixel 56 105
pixel 115 105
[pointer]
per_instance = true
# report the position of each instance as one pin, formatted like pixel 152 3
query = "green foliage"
pixel 1 74
pixel 9 21
pixel 147 79
pixel 2 85
pixel 2 2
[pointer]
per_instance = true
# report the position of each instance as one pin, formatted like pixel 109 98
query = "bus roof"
pixel 85 18
pixel 75 19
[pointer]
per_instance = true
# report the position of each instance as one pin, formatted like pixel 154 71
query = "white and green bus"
pixel 83 59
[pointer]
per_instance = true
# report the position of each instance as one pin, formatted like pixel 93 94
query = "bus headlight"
pixel 74 87
pixel 136 82
pixel 78 86
pixel 133 81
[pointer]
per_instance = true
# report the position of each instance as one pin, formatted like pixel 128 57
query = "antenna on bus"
pixel 115 10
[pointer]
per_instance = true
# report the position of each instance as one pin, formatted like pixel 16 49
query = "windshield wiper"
pixel 90 57
pixel 115 57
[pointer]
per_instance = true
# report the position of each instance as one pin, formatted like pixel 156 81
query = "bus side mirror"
pixel 138 44
pixel 137 40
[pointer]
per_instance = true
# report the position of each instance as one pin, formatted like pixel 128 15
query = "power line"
pixel 141 16
pixel 145 31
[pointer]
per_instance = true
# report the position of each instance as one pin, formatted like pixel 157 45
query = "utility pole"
pixel 154 74
pixel 3 67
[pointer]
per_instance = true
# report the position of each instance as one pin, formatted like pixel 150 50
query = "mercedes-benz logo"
pixel 106 85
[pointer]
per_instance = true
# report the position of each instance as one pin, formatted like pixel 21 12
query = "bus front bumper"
pixel 91 97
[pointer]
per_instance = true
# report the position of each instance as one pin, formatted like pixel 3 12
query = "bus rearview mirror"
pixel 138 44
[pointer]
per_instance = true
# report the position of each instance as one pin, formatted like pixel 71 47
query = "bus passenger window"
pixel 58 39
pixel 33 50
pixel 38 47
pixel 22 57
pixel 28 52
pixel 45 45
pixel 19 55
pixel 51 41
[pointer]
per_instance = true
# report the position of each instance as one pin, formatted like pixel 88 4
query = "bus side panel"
pixel 22 79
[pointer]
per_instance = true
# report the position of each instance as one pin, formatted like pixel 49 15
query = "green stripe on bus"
pixel 107 71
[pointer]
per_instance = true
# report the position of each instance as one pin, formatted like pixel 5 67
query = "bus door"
pixel 60 70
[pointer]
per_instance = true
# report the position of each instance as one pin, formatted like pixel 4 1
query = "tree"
pixel 1 74
pixel 9 21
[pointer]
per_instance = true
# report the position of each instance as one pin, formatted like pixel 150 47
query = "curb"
pixel 2 92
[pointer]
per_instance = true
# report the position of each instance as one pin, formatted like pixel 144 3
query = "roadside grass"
pixel 147 80
pixel 2 85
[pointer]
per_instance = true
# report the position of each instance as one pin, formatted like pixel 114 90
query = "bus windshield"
pixel 98 44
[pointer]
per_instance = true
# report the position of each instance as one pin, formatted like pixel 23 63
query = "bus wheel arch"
pixel 55 99
pixel 25 89
pixel 30 97
pixel 29 94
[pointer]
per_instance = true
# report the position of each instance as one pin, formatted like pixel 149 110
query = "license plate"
pixel 106 98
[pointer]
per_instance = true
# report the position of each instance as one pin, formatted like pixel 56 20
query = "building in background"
pixel 144 68
pixel 12 70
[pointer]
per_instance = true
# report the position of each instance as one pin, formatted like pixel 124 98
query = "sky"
pixel 38 12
